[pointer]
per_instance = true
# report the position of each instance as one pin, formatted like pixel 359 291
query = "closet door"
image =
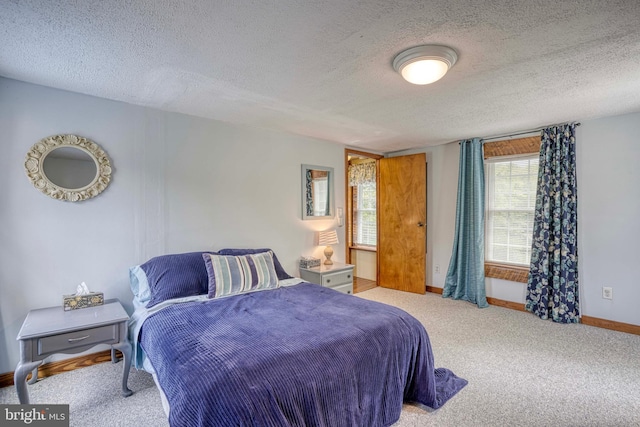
pixel 402 223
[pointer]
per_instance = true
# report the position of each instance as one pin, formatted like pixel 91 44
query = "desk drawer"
pixel 108 334
pixel 339 278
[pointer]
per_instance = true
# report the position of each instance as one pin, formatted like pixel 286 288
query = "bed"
pixel 232 339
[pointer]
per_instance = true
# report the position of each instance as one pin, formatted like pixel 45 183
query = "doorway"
pixel 361 217
pixel 402 223
pixel 386 220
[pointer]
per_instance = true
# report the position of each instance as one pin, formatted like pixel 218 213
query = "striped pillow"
pixel 231 275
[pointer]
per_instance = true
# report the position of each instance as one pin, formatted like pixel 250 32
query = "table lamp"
pixel 328 238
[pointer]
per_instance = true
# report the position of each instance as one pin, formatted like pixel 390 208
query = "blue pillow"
pixel 175 276
pixel 282 275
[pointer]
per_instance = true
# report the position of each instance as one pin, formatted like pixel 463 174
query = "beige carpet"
pixel 522 371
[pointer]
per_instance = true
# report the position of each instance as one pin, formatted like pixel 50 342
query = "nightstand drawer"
pixel 339 278
pixel 345 289
pixel 87 337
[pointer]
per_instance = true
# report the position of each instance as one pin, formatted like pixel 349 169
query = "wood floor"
pixel 361 285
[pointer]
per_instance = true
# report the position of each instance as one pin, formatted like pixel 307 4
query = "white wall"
pixel 180 183
pixel 607 153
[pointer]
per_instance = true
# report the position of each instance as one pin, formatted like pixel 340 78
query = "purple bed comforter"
pixel 293 356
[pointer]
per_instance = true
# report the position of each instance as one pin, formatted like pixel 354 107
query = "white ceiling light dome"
pixel 426 64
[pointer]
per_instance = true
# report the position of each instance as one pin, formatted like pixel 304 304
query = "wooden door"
pixel 402 219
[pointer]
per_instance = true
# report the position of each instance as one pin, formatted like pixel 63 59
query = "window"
pixel 511 198
pixel 364 214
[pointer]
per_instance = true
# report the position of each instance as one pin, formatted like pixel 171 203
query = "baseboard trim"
pixel 6 380
pixel 434 290
pixel 585 320
pixel 506 304
pixel 610 324
pixel 55 368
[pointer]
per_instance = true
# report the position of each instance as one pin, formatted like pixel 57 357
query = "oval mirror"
pixel 68 167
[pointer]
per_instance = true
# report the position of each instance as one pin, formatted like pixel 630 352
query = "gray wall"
pixel 179 184
pixel 607 153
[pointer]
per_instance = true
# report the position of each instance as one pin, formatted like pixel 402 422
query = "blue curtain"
pixel 552 288
pixel 465 276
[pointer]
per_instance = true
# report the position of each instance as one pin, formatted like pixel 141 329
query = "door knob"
pixel 421 224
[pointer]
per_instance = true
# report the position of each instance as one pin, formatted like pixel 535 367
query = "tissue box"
pixel 309 262
pixel 73 302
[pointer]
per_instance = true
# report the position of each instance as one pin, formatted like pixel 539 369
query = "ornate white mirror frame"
pixel 34 167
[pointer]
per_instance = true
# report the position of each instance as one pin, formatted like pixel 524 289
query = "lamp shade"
pixel 422 65
pixel 327 238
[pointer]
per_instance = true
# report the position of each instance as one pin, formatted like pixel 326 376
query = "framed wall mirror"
pixel 68 167
pixel 317 192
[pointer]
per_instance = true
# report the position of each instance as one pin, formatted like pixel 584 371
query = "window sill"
pixel 364 248
pixel 506 272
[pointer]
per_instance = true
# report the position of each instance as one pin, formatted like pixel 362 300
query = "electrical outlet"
pixel 437 268
pixel 607 292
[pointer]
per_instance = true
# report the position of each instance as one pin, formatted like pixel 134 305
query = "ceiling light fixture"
pixel 422 65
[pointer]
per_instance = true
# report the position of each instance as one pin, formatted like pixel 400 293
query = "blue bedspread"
pixel 297 356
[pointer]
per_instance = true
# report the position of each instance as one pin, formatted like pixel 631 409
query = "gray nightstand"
pixel 336 276
pixel 48 331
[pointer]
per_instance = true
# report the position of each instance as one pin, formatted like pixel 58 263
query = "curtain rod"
pixel 510 135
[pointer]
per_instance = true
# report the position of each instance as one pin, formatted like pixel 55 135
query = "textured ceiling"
pixel 322 68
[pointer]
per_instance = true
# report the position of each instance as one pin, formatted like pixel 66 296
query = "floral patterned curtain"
pixel 362 173
pixel 552 288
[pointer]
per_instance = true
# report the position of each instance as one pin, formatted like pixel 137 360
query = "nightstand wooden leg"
pixel 20 379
